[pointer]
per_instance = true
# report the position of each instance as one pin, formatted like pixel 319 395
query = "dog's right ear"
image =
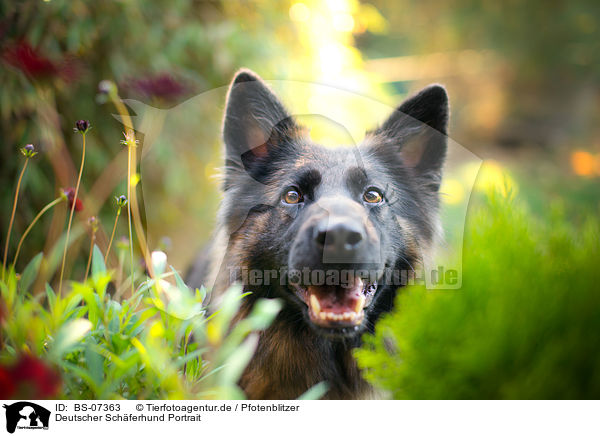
pixel 255 120
pixel 416 132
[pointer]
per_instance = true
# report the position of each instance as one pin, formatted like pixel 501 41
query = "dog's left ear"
pixel 418 129
pixel 256 122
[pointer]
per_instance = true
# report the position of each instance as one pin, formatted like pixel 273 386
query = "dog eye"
pixel 292 196
pixel 373 196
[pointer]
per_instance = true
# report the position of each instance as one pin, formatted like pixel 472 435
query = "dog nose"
pixel 339 236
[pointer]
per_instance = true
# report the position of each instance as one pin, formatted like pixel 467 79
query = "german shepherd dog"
pixel 334 219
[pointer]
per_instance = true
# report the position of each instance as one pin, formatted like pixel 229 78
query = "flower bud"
pixel 93 223
pixel 82 126
pixel 129 140
pixel 28 151
pixel 106 87
pixel 121 201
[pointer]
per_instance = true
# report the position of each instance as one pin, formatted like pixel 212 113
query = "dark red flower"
pixel 7 384
pixel 161 86
pixel 36 65
pixel 70 194
pixel 29 60
pixel 29 377
pixel 82 126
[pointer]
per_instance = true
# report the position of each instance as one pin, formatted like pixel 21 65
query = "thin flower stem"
pixel 129 216
pixel 137 221
pixel 12 217
pixel 62 268
pixel 112 236
pixel 35 220
pixel 133 207
pixel 89 261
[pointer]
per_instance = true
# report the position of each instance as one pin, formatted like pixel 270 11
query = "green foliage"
pixel 157 343
pixel 524 324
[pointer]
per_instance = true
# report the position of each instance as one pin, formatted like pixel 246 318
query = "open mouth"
pixel 338 306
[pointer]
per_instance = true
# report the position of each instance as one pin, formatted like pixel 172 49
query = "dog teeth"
pixel 360 303
pixel 330 316
pixel 314 304
pixel 318 312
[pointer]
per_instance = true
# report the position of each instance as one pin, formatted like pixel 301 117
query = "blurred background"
pixel 523 80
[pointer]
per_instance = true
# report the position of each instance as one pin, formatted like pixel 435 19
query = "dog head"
pixel 330 222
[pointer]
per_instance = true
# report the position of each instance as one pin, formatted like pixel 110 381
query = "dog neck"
pixel 290 359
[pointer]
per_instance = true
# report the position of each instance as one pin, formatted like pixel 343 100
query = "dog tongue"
pixel 336 304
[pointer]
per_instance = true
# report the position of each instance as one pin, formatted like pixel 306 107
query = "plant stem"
pixel 89 262
pixel 35 220
pixel 62 268
pixel 12 217
pixel 112 236
pixel 133 207
pixel 129 215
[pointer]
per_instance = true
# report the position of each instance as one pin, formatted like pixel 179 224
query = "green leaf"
pixel 113 315
pixel 51 296
pixel 264 312
pixel 95 361
pixel 190 356
pixel 98 266
pixel 202 293
pixel 101 282
pixel 72 303
pixel 227 308
pixel 179 281
pixel 78 371
pixel 119 342
pixel 8 288
pixel 87 293
pixel 30 272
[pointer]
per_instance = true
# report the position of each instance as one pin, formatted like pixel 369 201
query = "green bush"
pixel 524 325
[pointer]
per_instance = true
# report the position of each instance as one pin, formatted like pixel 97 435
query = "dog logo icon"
pixel 26 415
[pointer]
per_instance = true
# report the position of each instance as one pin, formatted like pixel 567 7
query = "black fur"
pixel 333 228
